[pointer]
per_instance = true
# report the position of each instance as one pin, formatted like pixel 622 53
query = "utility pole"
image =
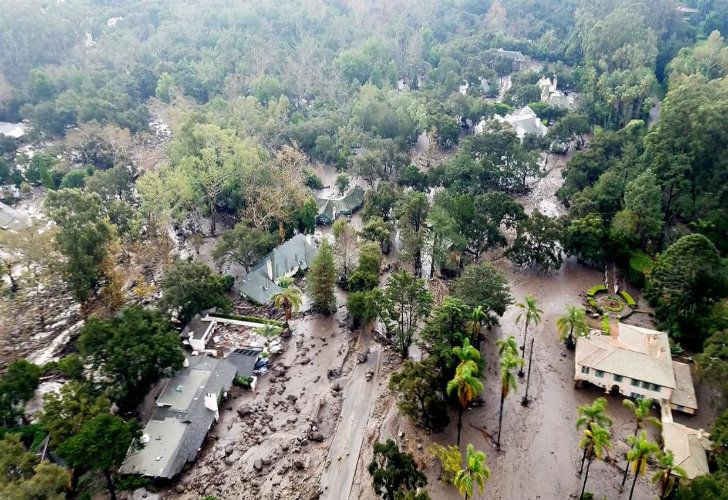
pixel 524 401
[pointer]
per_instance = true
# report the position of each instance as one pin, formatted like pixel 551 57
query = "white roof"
pixel 688 446
pixel 630 351
pixel 525 121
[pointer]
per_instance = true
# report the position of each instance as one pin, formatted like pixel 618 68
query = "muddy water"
pixel 540 454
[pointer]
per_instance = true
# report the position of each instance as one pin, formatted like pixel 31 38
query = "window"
pixel 618 378
pixel 599 373
pixel 634 395
pixel 656 387
pixel 646 385
pixel 585 370
pixel 635 382
pixel 680 408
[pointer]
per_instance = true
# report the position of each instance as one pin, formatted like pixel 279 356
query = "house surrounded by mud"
pixel 635 362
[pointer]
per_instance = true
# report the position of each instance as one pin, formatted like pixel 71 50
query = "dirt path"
pixel 359 396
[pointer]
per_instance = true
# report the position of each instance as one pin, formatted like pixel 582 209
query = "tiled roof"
pixel 630 351
pixel 684 392
pixel 689 448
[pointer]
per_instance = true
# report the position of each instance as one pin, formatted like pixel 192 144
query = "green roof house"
pixel 329 209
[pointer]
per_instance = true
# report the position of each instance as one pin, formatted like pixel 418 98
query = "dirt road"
pixel 359 396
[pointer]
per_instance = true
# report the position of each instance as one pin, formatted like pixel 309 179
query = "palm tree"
pixel 532 314
pixel 641 412
pixel 667 470
pixel 594 413
pixel 284 281
pixel 476 472
pixel 508 345
pixel 597 440
pixel 478 317
pixel 573 322
pixel 509 361
pixel 641 452
pixel 469 353
pixel 468 385
pixel 290 300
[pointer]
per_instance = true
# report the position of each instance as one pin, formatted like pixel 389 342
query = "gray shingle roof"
pixel 295 254
pixel 330 208
pixel 177 429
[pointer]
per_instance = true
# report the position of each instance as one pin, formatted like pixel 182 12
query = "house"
pixel 552 96
pixel 635 362
pixel 295 255
pixel 185 412
pixel 329 209
pixel 198 332
pixel 517 58
pixel 689 448
pixel 524 121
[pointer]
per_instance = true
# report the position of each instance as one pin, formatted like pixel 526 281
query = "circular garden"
pixel 602 302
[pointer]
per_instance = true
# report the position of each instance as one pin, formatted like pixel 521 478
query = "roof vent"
pixel 180 388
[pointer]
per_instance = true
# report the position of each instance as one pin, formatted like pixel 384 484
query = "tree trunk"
pixel 110 484
pixel 500 421
pixel 583 459
pixel 624 477
pixel 460 424
pixel 586 474
pixel 634 481
pixel 212 218
pixel 523 348
pixel 524 402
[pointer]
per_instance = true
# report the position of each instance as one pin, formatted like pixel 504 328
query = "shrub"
pixel 243 382
pixel 227 282
pixel 596 289
pixel 593 303
pixel 312 180
pixel 628 299
pixel 639 266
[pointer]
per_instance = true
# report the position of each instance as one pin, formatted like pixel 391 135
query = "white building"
pixel 524 121
pixel 635 362
pixel 550 94
pixel 689 448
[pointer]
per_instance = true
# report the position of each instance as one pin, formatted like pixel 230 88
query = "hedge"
pixel 593 303
pixel 628 299
pixel 596 289
pixel 639 266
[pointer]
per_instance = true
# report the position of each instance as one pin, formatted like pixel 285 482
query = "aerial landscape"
pixel 363 249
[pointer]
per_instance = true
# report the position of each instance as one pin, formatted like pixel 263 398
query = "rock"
pixel 336 387
pixel 292 398
pixel 244 411
pixel 298 465
pixel 369 375
pixel 305 361
pixel 316 436
pixel 267 461
pixel 362 357
pixel 258 465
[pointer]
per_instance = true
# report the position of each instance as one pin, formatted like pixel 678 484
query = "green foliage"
pixel 132 351
pixel 164 87
pixel 322 280
pixel 394 472
pixel 64 413
pixel 101 445
pixel 83 236
pixel 585 238
pixel 639 266
pixel 363 305
pixel 483 285
pixel 192 287
pixel 538 242
pixel 17 385
pixel 418 397
pixel 450 460
pixel 596 289
pixel 405 302
pixel 628 299
pixel 244 245
pixel 713 362
pixel 342 183
pixel 243 382
pixel 707 486
pixel 23 477
pixel 311 180
pixel 685 281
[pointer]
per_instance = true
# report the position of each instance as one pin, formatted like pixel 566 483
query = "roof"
pixel 244 360
pixel 11 218
pixel 296 253
pixel 631 351
pixel 514 55
pixel 329 208
pixel 684 392
pixel 689 448
pixel 197 327
pixel 179 424
pixel 525 121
